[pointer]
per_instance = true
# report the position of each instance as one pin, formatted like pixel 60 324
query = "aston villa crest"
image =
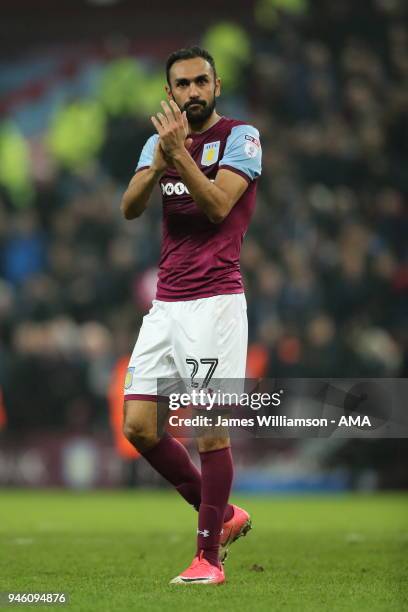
pixel 210 154
pixel 129 378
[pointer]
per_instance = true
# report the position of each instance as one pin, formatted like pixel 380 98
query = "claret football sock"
pixel 229 513
pixel 171 459
pixel 216 481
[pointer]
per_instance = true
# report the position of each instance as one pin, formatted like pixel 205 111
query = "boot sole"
pixel 247 526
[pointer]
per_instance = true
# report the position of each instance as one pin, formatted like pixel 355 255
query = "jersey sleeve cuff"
pixel 141 168
pixel 232 169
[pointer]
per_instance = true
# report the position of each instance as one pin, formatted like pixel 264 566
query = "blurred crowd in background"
pixel 325 260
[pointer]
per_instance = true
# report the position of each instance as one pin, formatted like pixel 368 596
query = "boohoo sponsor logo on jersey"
pixel 177 189
pixel 211 151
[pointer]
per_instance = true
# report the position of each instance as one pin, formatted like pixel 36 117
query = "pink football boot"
pixel 200 572
pixel 235 528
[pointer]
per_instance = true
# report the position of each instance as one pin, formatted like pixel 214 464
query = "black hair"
pixel 186 54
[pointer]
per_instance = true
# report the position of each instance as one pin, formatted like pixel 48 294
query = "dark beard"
pixel 197 116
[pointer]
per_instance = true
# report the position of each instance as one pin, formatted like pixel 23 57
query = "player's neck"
pixel 212 120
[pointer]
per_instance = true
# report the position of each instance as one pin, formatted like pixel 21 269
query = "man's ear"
pixel 168 92
pixel 217 90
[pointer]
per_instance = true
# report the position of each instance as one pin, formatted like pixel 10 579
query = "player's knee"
pixel 140 435
pixel 211 443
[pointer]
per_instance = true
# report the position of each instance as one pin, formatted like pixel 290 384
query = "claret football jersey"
pixel 199 258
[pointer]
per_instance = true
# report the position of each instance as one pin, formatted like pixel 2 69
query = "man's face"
pixel 194 88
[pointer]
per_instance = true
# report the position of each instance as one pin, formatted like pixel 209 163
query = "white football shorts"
pixel 197 340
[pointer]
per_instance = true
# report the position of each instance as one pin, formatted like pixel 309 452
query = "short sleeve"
pixel 243 152
pixel 146 156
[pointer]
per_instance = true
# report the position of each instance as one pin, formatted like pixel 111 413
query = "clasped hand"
pixel 172 127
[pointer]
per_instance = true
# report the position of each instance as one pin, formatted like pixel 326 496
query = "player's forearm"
pixel 209 198
pixel 137 195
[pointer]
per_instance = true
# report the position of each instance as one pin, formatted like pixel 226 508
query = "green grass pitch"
pixel 116 551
